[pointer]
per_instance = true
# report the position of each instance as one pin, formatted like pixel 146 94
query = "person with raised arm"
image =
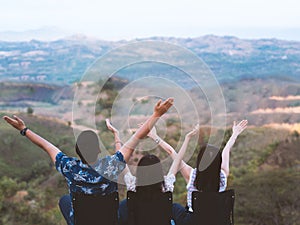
pixel 90 175
pixel 150 182
pixel 211 177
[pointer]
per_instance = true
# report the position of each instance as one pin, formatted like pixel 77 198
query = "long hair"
pixel 150 178
pixel 208 169
pixel 87 146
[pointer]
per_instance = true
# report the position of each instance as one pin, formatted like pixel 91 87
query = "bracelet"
pixel 157 140
pixel 23 132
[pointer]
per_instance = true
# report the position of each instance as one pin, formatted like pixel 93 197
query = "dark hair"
pixel 87 146
pixel 150 177
pixel 208 169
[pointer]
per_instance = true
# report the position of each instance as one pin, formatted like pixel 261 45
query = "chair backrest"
pixel 213 208
pixel 95 209
pixel 154 211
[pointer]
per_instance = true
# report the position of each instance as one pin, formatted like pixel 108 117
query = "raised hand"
pixel 111 127
pixel 239 128
pixel 193 132
pixel 162 107
pixel 159 109
pixel 185 169
pixel 236 130
pixel 16 122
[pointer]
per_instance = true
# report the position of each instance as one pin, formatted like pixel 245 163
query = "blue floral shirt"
pixel 100 178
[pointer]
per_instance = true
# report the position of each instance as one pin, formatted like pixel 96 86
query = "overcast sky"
pixel 127 19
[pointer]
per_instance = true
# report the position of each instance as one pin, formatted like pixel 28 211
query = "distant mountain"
pixel 230 58
pixel 42 34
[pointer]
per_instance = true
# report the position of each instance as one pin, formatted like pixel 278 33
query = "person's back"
pixel 155 210
pixel 95 209
pixel 89 175
pixel 209 176
pixel 149 197
pixel 78 172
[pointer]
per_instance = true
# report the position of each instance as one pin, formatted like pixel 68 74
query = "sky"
pixel 117 19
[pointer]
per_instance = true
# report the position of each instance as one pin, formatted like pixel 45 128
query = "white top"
pixel 130 182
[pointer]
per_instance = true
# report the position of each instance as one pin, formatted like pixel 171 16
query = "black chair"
pixel 95 209
pixel 153 211
pixel 213 208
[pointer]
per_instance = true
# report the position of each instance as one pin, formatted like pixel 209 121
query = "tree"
pixel 268 197
pixel 30 111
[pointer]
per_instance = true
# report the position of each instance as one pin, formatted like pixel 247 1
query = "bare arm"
pixel 236 131
pixel 118 143
pixel 184 168
pixel 159 109
pixel 176 163
pixel 19 124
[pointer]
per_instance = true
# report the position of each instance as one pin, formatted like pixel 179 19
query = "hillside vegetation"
pixel 264 161
pixel 262 101
pixel 29 185
pixel 264 173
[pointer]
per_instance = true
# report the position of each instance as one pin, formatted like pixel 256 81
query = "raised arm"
pixel 159 109
pixel 129 179
pixel 19 124
pixel 176 163
pixel 164 145
pixel 184 168
pixel 118 143
pixel 237 129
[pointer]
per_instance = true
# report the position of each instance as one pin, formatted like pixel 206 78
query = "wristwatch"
pixel 157 140
pixel 23 132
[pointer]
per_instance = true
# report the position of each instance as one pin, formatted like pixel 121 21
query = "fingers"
pixel 243 123
pixel 108 124
pixel 111 127
pixel 158 103
pixel 162 107
pixel 19 121
pixel 166 104
pixel 17 118
pixel 240 127
pixel 169 102
pixel 8 119
pixel 196 129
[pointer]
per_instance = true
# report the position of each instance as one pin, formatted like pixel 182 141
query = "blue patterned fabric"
pixel 100 178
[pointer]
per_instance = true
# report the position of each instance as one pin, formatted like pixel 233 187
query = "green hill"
pixel 29 185
pixel 20 158
pixel 264 170
pixel 258 164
